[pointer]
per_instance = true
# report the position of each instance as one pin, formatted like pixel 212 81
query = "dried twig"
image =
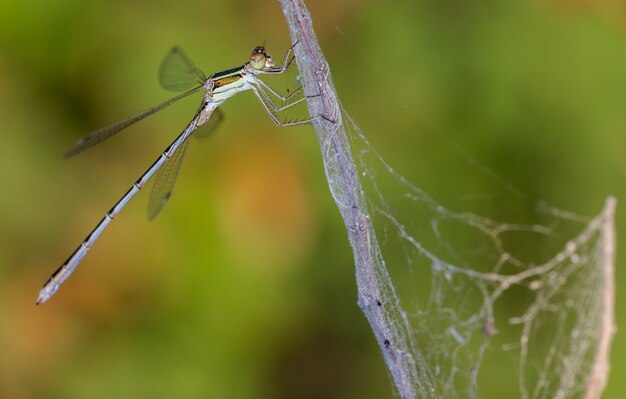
pixel 385 316
pixel 600 368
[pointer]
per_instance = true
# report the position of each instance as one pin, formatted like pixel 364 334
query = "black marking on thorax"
pixel 227 72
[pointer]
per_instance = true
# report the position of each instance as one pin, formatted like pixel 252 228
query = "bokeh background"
pixel 244 285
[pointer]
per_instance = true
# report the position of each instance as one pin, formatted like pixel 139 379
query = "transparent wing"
pixel 210 126
pixel 104 133
pixel 177 72
pixel 164 181
pixel 166 176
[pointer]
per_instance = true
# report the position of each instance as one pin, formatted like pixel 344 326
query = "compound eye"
pixel 257 59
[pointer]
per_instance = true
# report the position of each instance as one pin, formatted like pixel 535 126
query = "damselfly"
pixel 177 72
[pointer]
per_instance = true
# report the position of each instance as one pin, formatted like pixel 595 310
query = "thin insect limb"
pixel 286 63
pixel 277 94
pixel 271 103
pixel 275 119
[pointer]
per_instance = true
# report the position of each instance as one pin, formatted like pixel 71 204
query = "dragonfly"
pixel 178 73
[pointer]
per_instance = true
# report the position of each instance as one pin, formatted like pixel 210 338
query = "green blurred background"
pixel 244 286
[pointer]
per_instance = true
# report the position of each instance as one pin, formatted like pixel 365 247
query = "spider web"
pixel 461 304
pixel 459 278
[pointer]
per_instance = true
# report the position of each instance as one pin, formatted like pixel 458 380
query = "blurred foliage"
pixel 244 286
